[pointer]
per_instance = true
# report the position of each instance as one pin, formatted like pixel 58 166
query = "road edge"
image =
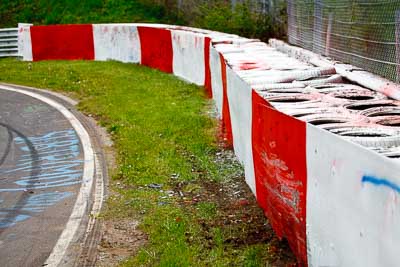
pixel 83 198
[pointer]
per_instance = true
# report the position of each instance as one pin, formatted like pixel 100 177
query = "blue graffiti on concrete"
pixel 56 162
pixel 33 204
pixel 380 182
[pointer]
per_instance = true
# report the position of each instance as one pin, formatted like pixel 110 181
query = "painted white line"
pixel 82 200
pixel 99 193
pixel 44 90
pixel 98 199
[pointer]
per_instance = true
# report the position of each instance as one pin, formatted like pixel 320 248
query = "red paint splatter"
pixel 207 79
pixel 62 42
pixel 279 154
pixel 226 117
pixel 252 65
pixel 156 47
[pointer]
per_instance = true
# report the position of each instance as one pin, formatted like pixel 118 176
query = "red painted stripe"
pixel 62 42
pixel 156 48
pixel 207 79
pixel 279 154
pixel 226 117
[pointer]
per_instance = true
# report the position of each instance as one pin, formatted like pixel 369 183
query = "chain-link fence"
pixel 364 33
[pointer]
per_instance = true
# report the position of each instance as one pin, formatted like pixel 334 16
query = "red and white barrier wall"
pixel 116 42
pixel 336 202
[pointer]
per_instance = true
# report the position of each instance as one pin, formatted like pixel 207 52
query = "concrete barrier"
pixel 279 151
pixel 156 48
pixel 336 202
pixel 24 41
pixel 240 107
pixel 216 79
pixel 353 209
pixel 189 56
pixel 116 42
pixel 62 42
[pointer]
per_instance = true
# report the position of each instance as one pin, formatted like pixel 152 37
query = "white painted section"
pixel 191 29
pixel 116 42
pixel 58 95
pixel 153 25
pixel 83 197
pixel 350 222
pixel 188 56
pixel 226 48
pixel 25 41
pixel 216 79
pixel 240 109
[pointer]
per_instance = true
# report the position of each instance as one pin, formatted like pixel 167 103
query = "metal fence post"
pixel 328 34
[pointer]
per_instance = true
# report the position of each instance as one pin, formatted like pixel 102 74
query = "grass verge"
pixel 173 176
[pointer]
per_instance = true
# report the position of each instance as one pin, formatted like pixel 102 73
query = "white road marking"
pixel 82 200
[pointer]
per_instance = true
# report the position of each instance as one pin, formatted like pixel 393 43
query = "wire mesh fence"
pixel 364 33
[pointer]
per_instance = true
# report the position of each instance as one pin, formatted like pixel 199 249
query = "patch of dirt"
pixel 237 213
pixel 121 239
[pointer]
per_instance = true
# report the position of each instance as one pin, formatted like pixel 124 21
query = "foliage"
pixel 76 11
pixel 241 20
pixel 215 15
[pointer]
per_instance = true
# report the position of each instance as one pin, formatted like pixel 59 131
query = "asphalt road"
pixel 41 168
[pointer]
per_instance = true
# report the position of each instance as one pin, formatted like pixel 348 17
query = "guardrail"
pixel 320 154
pixel 9 42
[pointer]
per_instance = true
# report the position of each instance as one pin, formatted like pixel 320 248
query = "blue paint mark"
pixel 380 182
pixel 56 162
pixel 38 203
pixel 34 204
pixel 5 223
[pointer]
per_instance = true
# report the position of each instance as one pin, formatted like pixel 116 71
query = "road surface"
pixel 42 169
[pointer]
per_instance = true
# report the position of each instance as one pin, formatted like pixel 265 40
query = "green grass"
pixel 76 11
pixel 161 130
